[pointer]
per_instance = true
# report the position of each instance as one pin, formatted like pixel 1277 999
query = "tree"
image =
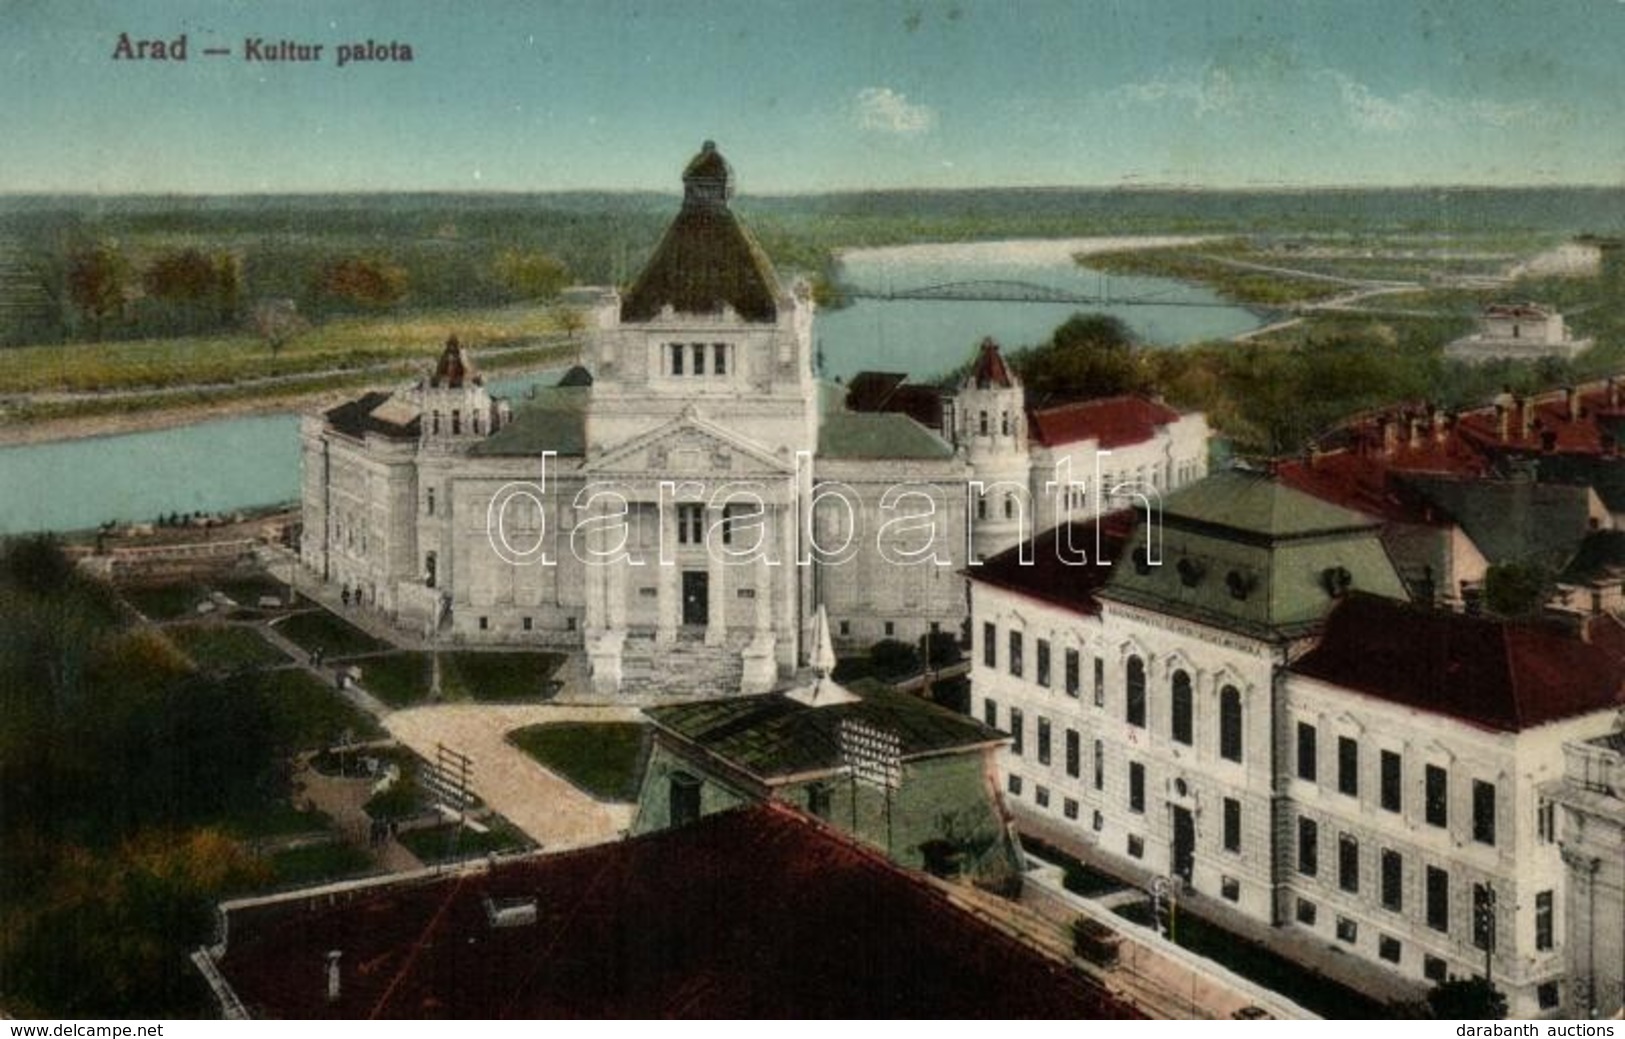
pixel 97 281
pixel 1517 589
pixel 1467 999
pixel 276 321
pixel 184 276
pixel 364 281
pixel 1090 355
pixel 531 275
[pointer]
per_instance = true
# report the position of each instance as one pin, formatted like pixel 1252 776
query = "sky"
pixel 813 95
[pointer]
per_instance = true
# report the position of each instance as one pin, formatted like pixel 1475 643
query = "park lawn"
pixel 275 818
pixel 335 637
pixel 318 863
pixel 162 602
pixel 403 679
pixel 247 591
pixel 604 759
pixel 224 647
pixel 434 844
pixel 341 344
pixel 310 715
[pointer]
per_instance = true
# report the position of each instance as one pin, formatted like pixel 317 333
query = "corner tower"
pixel 990 427
pixel 708 324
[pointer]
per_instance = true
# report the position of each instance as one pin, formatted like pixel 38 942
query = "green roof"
pixel 772 735
pixel 1512 520
pixel 1258 504
pixel 853 434
pixel 554 420
pixel 1241 552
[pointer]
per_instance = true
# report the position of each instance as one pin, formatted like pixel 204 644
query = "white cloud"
pixel 1213 92
pixel 1423 109
pixel 885 110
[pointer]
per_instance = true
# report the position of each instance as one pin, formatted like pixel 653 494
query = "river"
pixel 232 463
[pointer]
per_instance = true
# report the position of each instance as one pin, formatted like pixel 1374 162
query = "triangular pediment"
pixel 689 445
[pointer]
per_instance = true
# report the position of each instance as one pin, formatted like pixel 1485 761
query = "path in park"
pixel 552 812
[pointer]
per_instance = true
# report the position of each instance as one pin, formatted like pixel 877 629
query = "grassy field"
pixel 161 602
pixel 318 629
pixel 308 715
pixel 337 346
pixel 403 679
pixel 316 863
pixel 604 759
pixel 224 647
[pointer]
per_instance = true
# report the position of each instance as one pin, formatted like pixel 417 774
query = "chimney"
pixel 333 975
pixel 1436 413
pixel 1416 433
pixel 1526 416
pixel 1503 420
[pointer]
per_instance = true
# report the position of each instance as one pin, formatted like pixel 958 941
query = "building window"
pixel 456 421
pixel 1306 752
pixel 990 714
pixel 1014 784
pixel 846 628
pixel 1136 692
pixel 428 502
pixel 485 624
pixel 1100 682
pixel 1072 680
pixel 1179 702
pixel 1433 968
pixel 1306 912
pixel 1393 881
pixel 1438 899
pixel 1043 663
pixel 1348 863
pixel 1043 740
pixel 1097 821
pixel 525 622
pixel 699 358
pixel 719 359
pixel 1543 920
pixel 1015 653
pixel 1347 930
pixel 1100 765
pixel 1546 822
pixel 819 797
pixel 1348 766
pixel 982 423
pixel 1136 787
pixel 1074 754
pixel 981 507
pixel 1232 824
pixel 1230 889
pixel 683 794
pixel 1230 724
pixel 1392 780
pixel 691 524
pixel 1437 795
pixel 1547 995
pixel 1017 731
pixel 1308 846
pixel 990 645
pixel 1483 916
pixel 676 358
pixel 1388 948
pixel 1483 812
pixel 1069 808
pixel 1136 847
pixel 1041 796
pixel 890 628
pixel 1009 506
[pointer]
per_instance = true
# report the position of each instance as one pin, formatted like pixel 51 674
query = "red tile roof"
pixel 757 912
pixel 989 369
pixel 1113 421
pixel 1501 675
pixel 1366 483
pixel 1049 577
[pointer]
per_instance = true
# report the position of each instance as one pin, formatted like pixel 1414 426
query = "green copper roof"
pixel 554 420
pixel 851 434
pixel 1257 503
pixel 1240 552
pixel 772 735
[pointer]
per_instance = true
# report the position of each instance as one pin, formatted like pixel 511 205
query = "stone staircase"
pixel 686 669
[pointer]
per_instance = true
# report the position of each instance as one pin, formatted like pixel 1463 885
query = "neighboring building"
pixel 944 814
pixel 699 442
pixel 1421 746
pixel 1257 709
pixel 755 913
pixel 1592 835
pixel 1519 332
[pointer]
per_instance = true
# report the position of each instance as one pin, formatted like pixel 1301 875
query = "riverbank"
pixel 1034 252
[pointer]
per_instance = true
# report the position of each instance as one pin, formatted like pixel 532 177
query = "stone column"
pixel 668 579
pixel 596 583
pixel 716 569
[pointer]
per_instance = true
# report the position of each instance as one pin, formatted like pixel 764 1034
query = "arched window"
pixel 1230 723
pixel 1136 692
pixel 1180 706
pixel 984 423
pixel 1009 506
pixel 429 570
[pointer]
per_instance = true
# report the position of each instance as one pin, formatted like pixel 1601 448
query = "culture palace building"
pixel 680 506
